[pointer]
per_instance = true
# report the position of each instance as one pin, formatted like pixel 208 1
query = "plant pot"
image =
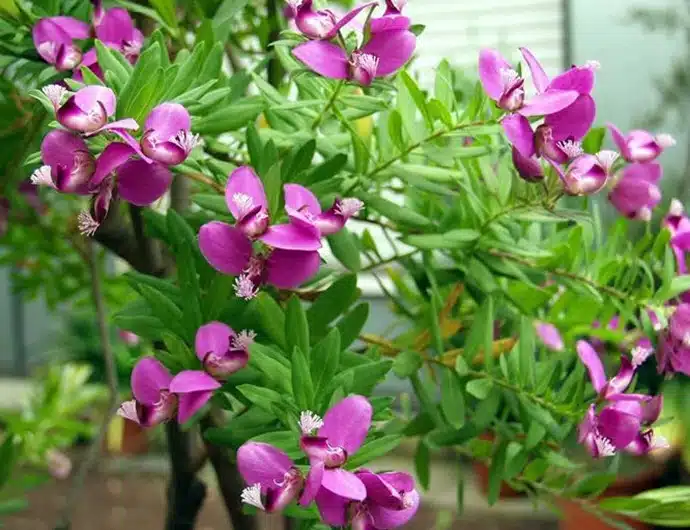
pixel 126 438
pixel 574 517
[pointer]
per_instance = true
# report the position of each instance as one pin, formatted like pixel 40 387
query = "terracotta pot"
pixel 126 437
pixel 574 517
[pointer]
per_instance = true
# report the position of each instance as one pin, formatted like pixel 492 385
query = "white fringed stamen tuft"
pixel 42 177
pixel 131 50
pixel 604 446
pixel 349 207
pixel 87 224
pixel 244 203
pixel 309 422
pixel 593 65
pixel 252 496
pixel 644 214
pixel 243 340
pixel 665 140
pixel 55 94
pixel 186 141
pixel 572 148
pixel 244 287
pixel 639 355
pixel 508 77
pixel 676 209
pixel 366 61
pixel 295 4
pixel 607 158
pixel 686 340
pixel 48 49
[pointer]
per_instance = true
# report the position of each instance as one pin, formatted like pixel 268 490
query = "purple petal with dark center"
pixel 347 423
pixel 324 58
pixel 115 27
pixel 214 337
pixel 618 426
pixel 332 507
pixel 519 133
pixel 386 518
pixel 168 119
pixel 573 121
pixel 301 199
pixel 225 247
pixel 244 182
pixel 141 183
pixel 379 491
pixel 590 358
pixel 292 237
pixel 491 63
pixel 149 377
pixel 261 463
pixel 112 157
pixel 90 97
pixel 194 388
pixel 530 169
pixel 393 49
pixel 622 379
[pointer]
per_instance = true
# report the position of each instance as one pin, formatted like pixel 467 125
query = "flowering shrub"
pixel 221 173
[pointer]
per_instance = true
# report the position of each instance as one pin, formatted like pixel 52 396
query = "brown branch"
pixel 111 380
pixel 200 177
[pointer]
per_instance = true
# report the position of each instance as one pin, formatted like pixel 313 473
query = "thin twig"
pixel 329 104
pixel 111 380
pixel 393 259
pixel 200 177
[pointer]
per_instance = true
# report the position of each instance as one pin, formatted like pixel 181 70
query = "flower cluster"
pixel 361 500
pixel 158 396
pixel 257 250
pixel 55 39
pixel 619 421
pixel 135 170
pixel 388 46
pixel 568 110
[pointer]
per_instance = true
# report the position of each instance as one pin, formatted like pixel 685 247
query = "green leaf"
pixel 138 92
pixel 480 388
pixel 273 187
pixel 454 239
pixel 109 62
pixel 222 20
pixel 219 292
pixel 266 360
pixel 363 378
pixel 406 363
pixel 213 202
pixel 496 472
pixel 678 285
pixel 166 9
pixel 178 351
pixel 296 326
pixel 422 464
pixel 9 452
pixel 231 117
pixel 373 449
pixel 593 485
pixel 481 333
pixel 271 318
pixel 261 396
pixel 418 98
pixel 345 248
pixel 594 140
pixel 360 152
pixel 287 441
pixel 213 64
pixel 443 86
pixel 301 160
pixel 135 279
pixel 162 307
pixel 526 349
pixel 395 212
pixel 332 303
pixel 146 326
pixel 327 170
pixel 325 359
pixel 302 385
pixel 452 398
pixel 351 325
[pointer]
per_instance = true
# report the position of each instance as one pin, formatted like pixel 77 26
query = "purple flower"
pixel 69 165
pixel 289 257
pixel 679 225
pixel 392 18
pixel 303 206
pixel 53 38
pixel 88 110
pixel 341 432
pixel 128 337
pixel 321 24
pixel 157 394
pixel 384 54
pixel 586 174
pixel 623 422
pixel 167 134
pixel 549 335
pixel 640 146
pixel 221 350
pixel 271 475
pixel 391 501
pixel 673 354
pixel 636 193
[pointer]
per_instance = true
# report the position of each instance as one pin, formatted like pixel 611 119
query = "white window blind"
pixel 458 29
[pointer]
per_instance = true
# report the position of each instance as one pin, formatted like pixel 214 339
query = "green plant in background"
pixel 220 150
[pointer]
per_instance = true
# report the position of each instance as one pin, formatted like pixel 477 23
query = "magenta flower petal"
pixel 244 183
pixel 343 483
pixel 519 133
pixel 75 29
pixel 301 199
pixel 149 377
pixel 168 119
pixel 550 336
pixel 647 172
pixel 225 247
pixel 141 183
pixel 67 150
pixel 619 140
pixel 346 19
pixel 386 518
pixel 573 121
pixel 539 77
pixel 261 463
pixel 389 23
pixel 651 410
pixel 578 78
pixel 287 269
pixel 312 486
pixel 393 49
pixel 622 379
pixel 194 388
pixel 618 426
pixel 380 491
pixel 213 337
pixel 54 44
pixel 90 97
pixel 112 157
pixel 292 237
pixel 126 124
pixel 332 507
pixel 115 27
pixel 548 102
pixel 324 58
pixel 590 358
pixel 530 169
pixel 491 65
pixel 347 423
